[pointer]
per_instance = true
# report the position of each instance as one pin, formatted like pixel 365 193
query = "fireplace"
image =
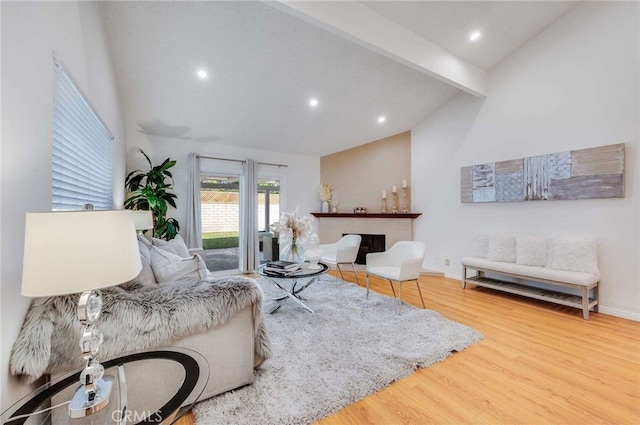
pixel 370 243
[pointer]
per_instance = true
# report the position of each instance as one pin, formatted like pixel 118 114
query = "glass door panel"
pixel 220 215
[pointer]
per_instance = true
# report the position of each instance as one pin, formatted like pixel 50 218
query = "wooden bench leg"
pixel 595 297
pixel 464 276
pixel 585 302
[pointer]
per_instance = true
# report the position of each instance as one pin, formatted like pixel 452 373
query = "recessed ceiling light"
pixel 381 119
pixel 475 35
pixel 313 102
pixel 202 73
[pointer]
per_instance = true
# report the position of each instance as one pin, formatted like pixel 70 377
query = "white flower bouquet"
pixel 293 228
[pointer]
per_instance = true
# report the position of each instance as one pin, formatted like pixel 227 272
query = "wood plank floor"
pixel 538 364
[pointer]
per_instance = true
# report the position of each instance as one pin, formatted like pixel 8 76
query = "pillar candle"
pixel 404 183
pixel 394 189
pixel 384 194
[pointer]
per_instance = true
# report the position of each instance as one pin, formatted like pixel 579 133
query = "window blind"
pixel 82 149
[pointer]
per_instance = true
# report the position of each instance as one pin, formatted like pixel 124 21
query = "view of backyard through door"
pixel 220 213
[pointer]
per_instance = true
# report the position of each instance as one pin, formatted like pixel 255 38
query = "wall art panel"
pixel 580 174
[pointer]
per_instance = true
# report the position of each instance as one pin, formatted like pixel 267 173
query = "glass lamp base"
pixel 81 406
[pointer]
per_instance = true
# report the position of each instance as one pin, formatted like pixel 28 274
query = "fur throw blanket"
pixel 134 319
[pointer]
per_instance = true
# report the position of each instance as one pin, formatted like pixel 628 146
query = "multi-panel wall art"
pixel 581 174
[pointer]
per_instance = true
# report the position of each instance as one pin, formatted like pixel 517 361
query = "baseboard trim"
pixel 453 276
pixel 619 313
pixel 427 272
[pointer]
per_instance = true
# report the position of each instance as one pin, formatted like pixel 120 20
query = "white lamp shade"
pixel 75 251
pixel 143 220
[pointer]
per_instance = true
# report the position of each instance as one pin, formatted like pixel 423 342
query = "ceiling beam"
pixel 359 24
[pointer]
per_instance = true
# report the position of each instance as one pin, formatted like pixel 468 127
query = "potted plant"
pixel 150 191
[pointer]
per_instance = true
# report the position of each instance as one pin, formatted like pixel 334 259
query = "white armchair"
pixel 402 262
pixel 344 251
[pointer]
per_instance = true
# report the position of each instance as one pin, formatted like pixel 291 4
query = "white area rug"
pixel 321 362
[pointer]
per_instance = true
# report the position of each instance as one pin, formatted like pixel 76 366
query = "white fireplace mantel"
pixel 396 227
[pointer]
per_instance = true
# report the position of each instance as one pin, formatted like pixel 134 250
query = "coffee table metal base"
pixel 297 281
pixel 293 293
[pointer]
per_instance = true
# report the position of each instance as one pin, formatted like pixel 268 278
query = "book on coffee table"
pixel 280 272
pixel 282 265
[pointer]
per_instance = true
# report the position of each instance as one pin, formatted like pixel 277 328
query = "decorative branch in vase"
pixel 325 193
pixel 294 230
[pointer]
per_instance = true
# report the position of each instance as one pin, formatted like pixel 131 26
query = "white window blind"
pixel 82 149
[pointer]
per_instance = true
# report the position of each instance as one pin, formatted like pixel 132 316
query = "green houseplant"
pixel 150 191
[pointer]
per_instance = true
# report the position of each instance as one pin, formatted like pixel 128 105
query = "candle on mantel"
pixel 404 184
pixel 394 189
pixel 384 194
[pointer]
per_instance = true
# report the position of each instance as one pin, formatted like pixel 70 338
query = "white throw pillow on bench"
pixel 532 250
pixel 575 254
pixel 480 245
pixel 502 248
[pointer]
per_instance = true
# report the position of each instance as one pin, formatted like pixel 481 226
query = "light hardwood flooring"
pixel 538 364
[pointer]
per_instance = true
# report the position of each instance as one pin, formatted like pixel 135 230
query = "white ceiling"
pixel 265 64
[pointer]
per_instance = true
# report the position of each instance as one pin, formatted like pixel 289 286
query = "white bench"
pixel 570 262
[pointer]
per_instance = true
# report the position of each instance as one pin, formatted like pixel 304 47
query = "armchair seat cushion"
pixel 386 272
pixel 344 251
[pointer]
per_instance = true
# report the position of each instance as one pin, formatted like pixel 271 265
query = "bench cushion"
pixel 534 272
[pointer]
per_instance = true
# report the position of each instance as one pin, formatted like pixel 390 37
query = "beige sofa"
pixel 221 319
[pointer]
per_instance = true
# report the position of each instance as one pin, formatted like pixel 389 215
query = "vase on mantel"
pixel 293 252
pixel 324 207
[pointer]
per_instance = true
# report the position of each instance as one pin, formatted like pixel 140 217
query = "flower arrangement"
pixel 293 228
pixel 326 192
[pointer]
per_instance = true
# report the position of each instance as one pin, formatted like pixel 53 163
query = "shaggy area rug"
pixel 321 362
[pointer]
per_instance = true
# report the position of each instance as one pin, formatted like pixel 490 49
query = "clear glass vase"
pixel 293 252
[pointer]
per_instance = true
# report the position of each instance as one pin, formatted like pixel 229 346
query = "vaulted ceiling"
pixel 266 60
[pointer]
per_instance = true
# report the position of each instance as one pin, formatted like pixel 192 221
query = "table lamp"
pixel 143 220
pixel 81 251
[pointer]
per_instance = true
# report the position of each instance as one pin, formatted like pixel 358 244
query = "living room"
pixel 572 85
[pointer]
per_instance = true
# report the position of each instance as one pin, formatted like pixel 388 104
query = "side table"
pixel 191 366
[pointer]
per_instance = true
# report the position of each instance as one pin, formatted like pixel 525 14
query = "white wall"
pixel 30 32
pixel 299 183
pixel 573 86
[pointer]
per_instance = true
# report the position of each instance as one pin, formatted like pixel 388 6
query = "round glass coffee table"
pixel 293 284
pixel 184 370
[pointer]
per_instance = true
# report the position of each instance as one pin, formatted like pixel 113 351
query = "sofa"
pixel 516 262
pixel 173 302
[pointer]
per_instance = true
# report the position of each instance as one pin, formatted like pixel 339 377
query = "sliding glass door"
pixel 224 217
pixel 220 215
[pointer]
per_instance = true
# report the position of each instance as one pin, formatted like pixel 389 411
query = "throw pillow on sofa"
pixel 145 278
pixel 502 248
pixel 175 245
pixel 532 250
pixel 573 254
pixel 169 267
